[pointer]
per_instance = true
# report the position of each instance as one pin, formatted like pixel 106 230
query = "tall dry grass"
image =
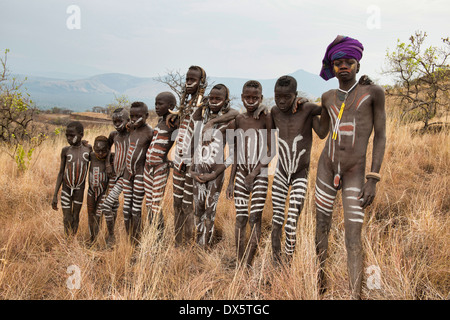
pixel 405 234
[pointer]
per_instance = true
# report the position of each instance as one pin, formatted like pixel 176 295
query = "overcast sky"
pixel 229 38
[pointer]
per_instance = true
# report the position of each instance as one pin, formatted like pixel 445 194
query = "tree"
pixel 119 102
pixel 176 82
pixel 17 130
pixel 422 78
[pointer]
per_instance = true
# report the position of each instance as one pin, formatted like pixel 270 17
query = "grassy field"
pixel 406 235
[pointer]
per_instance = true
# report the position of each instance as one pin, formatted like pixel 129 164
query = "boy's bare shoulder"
pixel 376 89
pixel 64 150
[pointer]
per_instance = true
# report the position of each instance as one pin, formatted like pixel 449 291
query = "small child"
pixel 98 184
pixel 208 163
pixel 250 168
pixel 72 176
pixel 156 170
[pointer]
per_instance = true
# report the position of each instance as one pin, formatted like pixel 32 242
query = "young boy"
pixel 72 176
pixel 294 150
pixel 118 138
pixel 141 135
pixel 208 162
pixel 349 114
pixel 192 98
pixel 250 168
pixel 157 168
pixel 98 184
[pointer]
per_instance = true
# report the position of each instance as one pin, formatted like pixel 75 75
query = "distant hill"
pixel 99 90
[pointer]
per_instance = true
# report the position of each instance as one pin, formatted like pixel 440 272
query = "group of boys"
pixel 140 167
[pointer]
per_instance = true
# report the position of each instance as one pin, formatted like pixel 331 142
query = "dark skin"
pixel 97 166
pixel 292 124
pixel 205 192
pixel 343 161
pixel 163 103
pixel 216 99
pixel 251 98
pixel 120 135
pixel 193 78
pixel 140 138
pixel 76 155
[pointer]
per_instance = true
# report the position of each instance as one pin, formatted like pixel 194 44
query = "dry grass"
pixel 406 234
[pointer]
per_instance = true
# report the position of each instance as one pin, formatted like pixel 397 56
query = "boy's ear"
pixel 357 67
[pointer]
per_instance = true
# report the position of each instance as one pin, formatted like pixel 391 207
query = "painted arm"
pixel 266 157
pixel 321 125
pixel 233 153
pixel 227 117
pixel 379 145
pixel 59 179
pixel 109 169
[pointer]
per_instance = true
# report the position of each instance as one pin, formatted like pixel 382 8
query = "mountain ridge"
pixel 100 90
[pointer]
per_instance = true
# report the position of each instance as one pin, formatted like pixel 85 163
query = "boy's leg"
pixel 188 207
pixel 241 197
pixel 76 208
pixel 136 211
pixel 110 206
pixel 296 202
pixel 200 194
pixel 127 204
pixel 179 179
pixel 280 188
pixel 325 194
pixel 352 184
pixel 148 187
pixel 259 194
pixel 91 206
pixel 211 206
pixel 159 182
pixel 66 205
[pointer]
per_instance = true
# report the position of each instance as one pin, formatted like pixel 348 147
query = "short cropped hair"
pixel 287 81
pixel 77 125
pixel 220 86
pixel 100 139
pixel 170 97
pixel 139 104
pixel 253 84
pixel 199 69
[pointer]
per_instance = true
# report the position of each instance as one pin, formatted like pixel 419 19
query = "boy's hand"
pixel 230 191
pixel 368 193
pixel 261 109
pixel 298 103
pixel 55 203
pixel 205 177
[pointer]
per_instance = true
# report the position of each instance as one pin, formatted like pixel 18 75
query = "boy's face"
pixel 138 117
pixel 345 69
pixel 119 121
pixel 252 98
pixel 101 149
pixel 193 78
pixel 284 97
pixel 73 136
pixel 217 99
pixel 162 105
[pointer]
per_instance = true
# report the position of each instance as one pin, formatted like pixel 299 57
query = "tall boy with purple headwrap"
pixel 350 114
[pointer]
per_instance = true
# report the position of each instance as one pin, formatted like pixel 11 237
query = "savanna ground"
pixel 406 235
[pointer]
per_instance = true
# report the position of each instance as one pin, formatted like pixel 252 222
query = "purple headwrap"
pixel 341 48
